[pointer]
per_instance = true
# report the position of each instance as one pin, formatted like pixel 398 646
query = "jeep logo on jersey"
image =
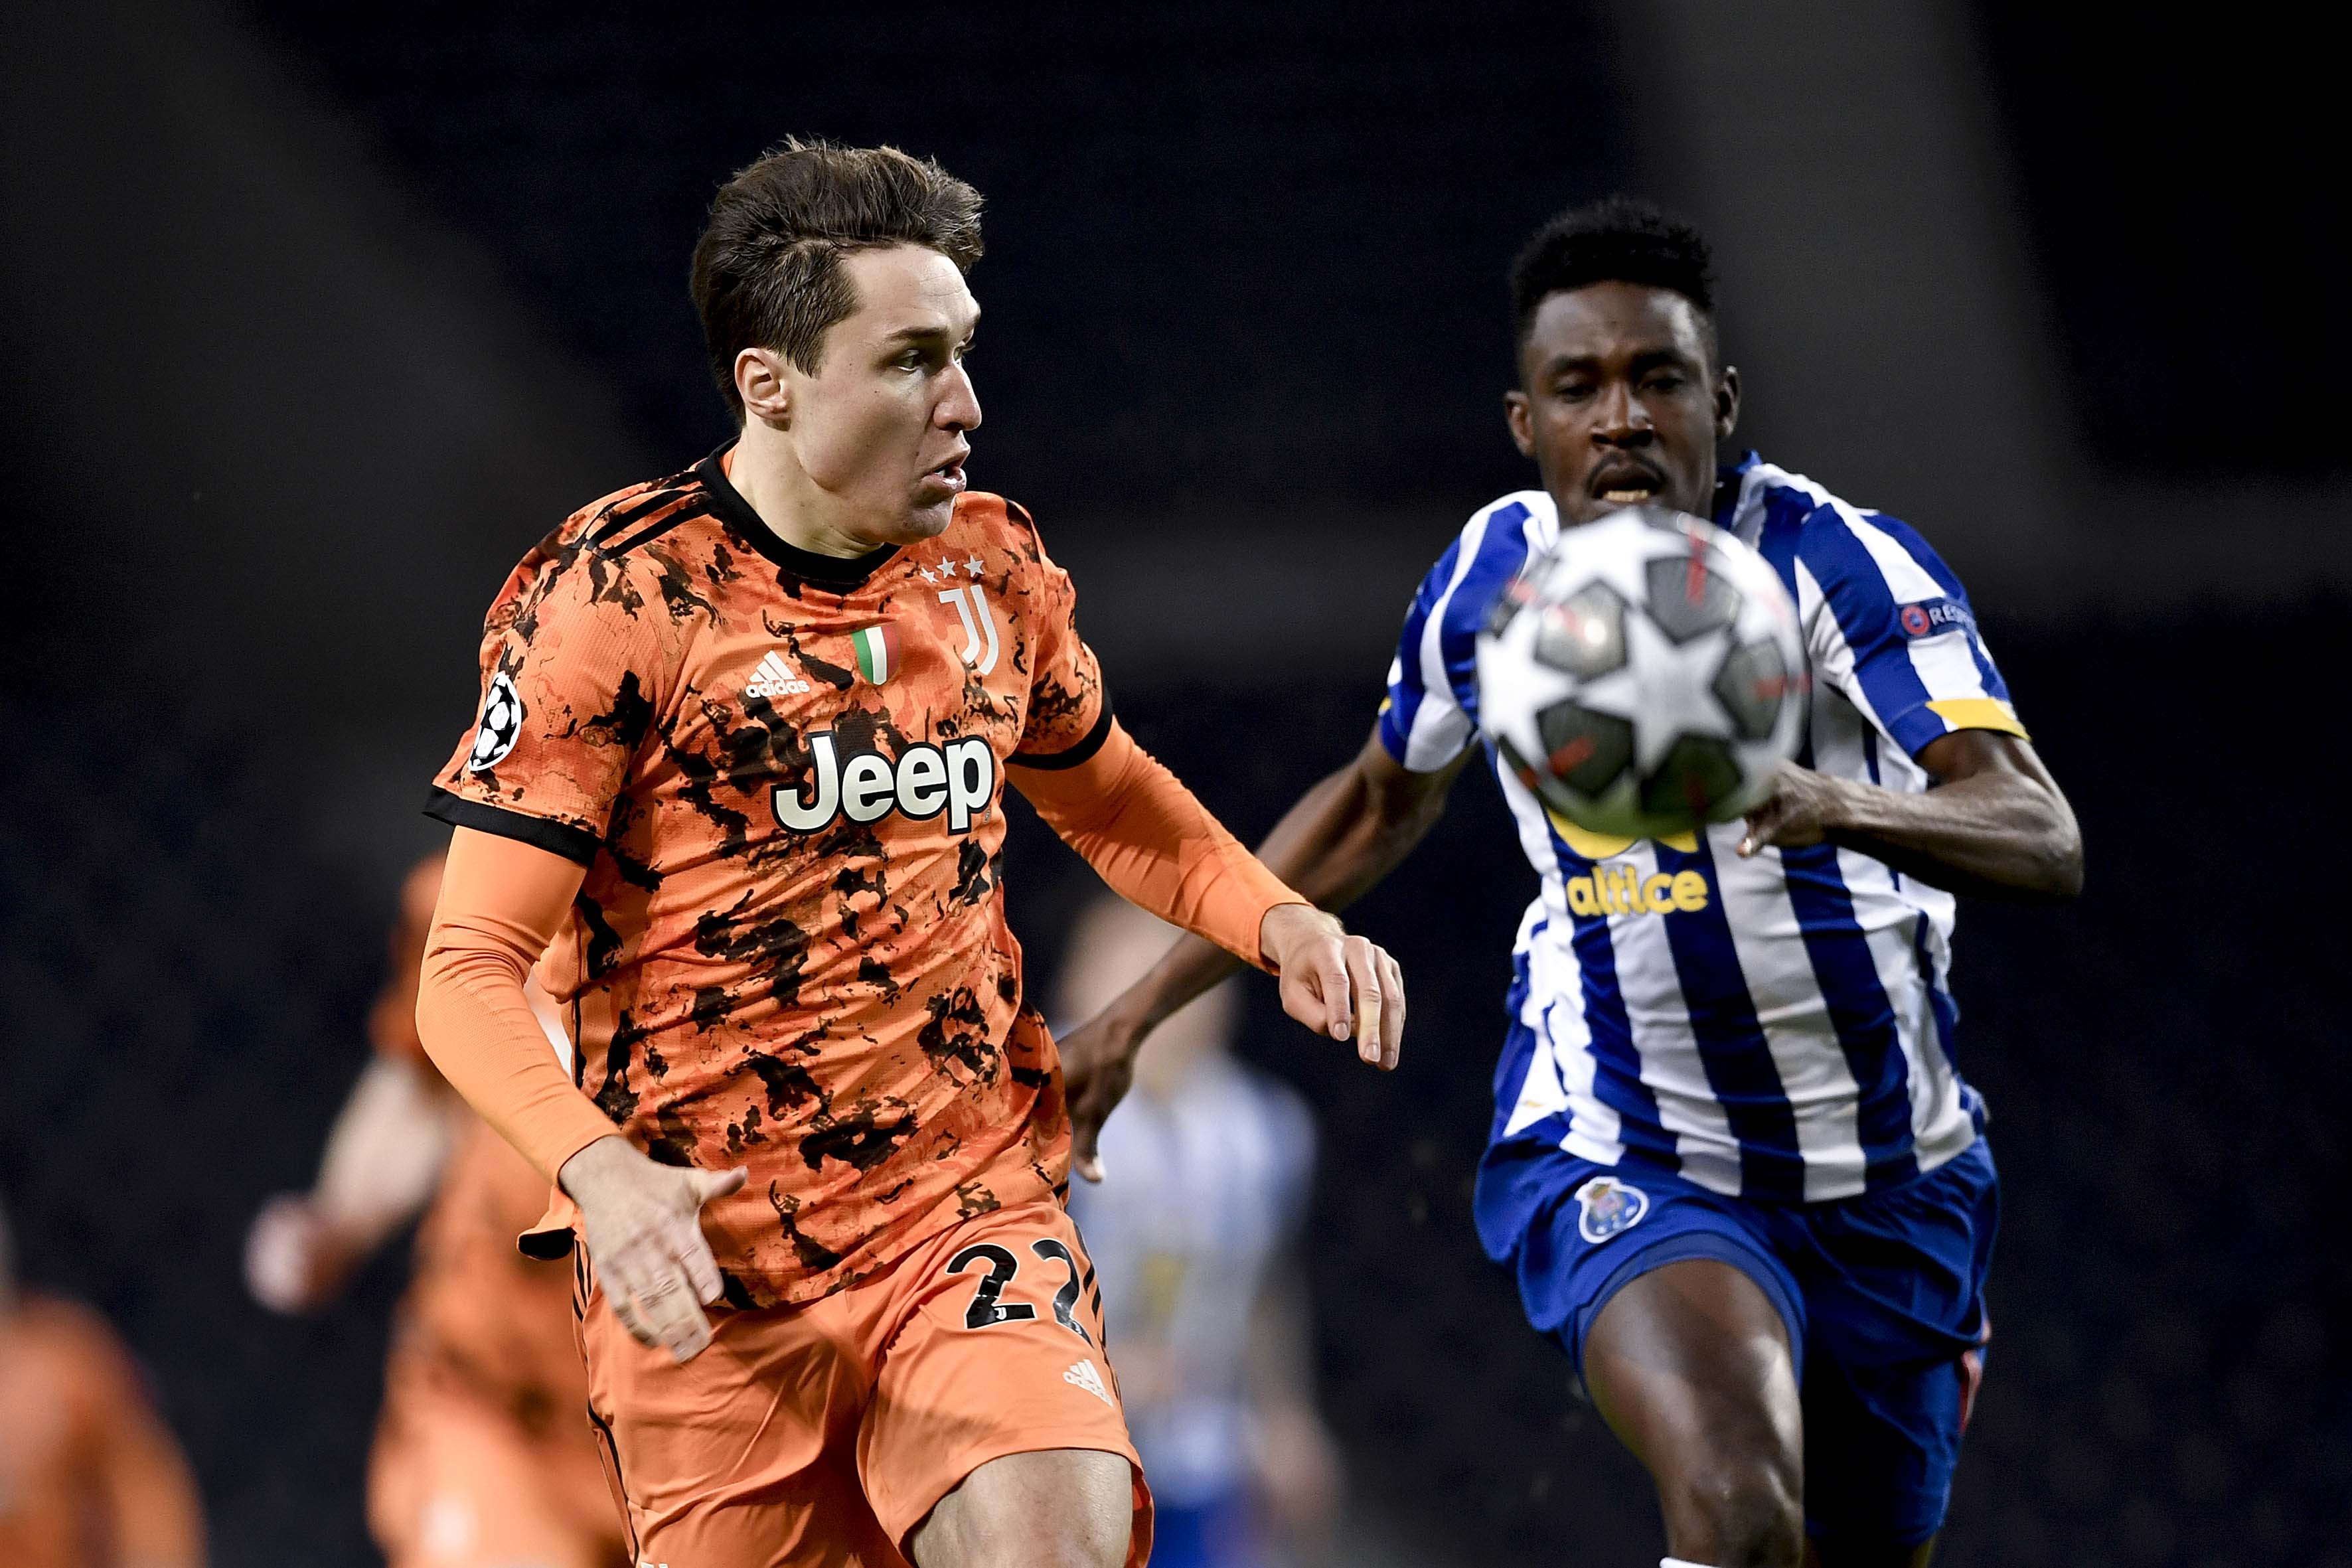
pixel 959 779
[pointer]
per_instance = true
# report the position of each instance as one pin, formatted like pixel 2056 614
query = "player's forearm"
pixel 1992 833
pixel 478 1027
pixel 502 902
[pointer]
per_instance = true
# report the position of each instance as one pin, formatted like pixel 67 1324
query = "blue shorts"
pixel 1883 1296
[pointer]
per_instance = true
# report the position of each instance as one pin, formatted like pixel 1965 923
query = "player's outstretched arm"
pixel 384 1158
pixel 1996 822
pixel 501 903
pixel 1333 846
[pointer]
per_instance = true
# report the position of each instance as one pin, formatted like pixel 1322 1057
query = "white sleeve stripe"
pixel 1834 655
pixel 1906 578
pixel 1946 667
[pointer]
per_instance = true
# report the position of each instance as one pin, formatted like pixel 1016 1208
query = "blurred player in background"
pixel 737 776
pixel 1195 1235
pixel 1733 1162
pixel 90 1477
pixel 484 1457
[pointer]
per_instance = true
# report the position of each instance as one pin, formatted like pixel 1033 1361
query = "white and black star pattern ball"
pixel 1644 676
pixel 501 724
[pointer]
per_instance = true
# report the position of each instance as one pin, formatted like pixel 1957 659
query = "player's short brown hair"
pixel 767 270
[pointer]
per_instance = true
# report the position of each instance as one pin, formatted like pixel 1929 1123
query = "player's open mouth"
pixel 1626 484
pixel 949 473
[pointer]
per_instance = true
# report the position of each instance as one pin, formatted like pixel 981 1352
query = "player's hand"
pixel 643 1224
pixel 295 1258
pixel 1097 1067
pixel 1336 985
pixel 1801 810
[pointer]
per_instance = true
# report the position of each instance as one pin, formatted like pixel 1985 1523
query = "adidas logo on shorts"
pixel 773 679
pixel 1083 1375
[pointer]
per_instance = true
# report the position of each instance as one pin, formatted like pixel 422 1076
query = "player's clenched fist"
pixel 643 1224
pixel 1336 985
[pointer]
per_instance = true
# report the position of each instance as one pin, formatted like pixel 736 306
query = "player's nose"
pixel 1619 416
pixel 959 405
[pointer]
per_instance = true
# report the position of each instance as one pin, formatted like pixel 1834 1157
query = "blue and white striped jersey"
pixel 1778 1028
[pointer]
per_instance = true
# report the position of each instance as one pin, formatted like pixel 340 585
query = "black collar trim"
pixel 837 573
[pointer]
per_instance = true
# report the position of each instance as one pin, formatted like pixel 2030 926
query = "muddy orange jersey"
pixel 783 773
pixel 87 1475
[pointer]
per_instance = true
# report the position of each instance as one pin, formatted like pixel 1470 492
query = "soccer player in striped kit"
pixel 1733 1165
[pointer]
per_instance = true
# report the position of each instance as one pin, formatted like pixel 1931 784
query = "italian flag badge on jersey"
pixel 877 651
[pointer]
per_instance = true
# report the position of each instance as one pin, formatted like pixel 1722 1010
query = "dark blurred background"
pixel 315 317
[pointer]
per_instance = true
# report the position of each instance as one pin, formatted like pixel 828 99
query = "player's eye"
pixel 1666 381
pixel 1572 391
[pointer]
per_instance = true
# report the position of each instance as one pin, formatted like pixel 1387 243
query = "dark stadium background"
pixel 315 317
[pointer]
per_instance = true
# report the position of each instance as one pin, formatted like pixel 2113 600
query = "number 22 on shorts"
pixel 988 1305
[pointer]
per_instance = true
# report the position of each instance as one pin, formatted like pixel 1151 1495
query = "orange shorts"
pixel 458 1482
pixel 824 1434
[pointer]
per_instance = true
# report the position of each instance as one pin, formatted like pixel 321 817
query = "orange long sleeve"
pixel 502 902
pixel 1156 844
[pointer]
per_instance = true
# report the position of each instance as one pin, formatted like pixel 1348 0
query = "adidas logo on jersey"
pixel 1624 891
pixel 773 679
pixel 1082 1374
pixel 959 779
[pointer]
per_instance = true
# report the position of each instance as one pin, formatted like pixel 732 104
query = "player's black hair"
pixel 1617 239
pixel 767 270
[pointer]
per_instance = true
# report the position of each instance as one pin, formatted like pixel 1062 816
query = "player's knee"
pixel 1746 1512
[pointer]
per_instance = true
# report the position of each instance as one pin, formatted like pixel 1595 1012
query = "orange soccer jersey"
pixel 783 773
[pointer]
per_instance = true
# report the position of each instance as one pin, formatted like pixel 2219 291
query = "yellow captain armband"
pixel 1979 713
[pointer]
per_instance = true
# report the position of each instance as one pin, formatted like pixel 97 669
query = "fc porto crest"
pixel 1607 1205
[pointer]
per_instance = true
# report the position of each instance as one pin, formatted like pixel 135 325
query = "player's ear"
pixel 1726 401
pixel 759 383
pixel 1521 421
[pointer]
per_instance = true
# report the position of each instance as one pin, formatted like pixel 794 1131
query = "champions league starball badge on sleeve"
pixel 501 725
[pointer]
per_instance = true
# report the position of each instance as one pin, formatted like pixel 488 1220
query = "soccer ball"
pixel 1644 676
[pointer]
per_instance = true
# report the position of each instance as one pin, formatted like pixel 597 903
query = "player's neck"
pixel 767 474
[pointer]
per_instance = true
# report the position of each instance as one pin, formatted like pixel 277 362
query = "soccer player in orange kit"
pixel 483 1454
pixel 738 775
pixel 88 1477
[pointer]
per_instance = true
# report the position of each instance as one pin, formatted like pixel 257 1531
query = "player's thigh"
pixel 456 1484
pixel 746 1454
pixel 1055 1508
pixel 1690 1363
pixel 996 1354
